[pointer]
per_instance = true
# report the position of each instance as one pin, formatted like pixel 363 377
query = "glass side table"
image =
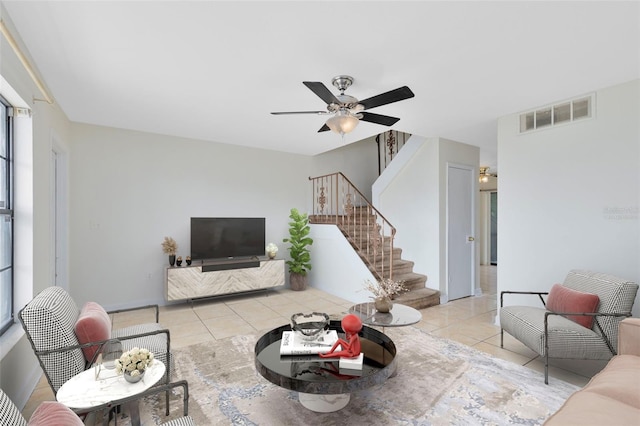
pixel 399 315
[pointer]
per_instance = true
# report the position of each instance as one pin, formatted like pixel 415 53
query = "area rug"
pixel 438 382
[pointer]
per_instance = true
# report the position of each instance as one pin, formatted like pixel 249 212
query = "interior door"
pixel 460 231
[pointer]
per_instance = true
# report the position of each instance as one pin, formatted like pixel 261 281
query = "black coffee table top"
pixel 315 375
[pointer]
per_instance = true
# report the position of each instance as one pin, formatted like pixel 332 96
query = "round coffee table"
pixel 322 386
pixel 399 315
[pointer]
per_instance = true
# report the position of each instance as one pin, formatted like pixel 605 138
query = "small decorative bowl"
pixel 133 379
pixel 310 326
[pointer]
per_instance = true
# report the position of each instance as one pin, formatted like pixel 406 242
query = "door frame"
pixel 473 181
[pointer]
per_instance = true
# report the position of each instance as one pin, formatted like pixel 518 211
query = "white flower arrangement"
pixel 385 287
pixel 134 362
pixel 272 248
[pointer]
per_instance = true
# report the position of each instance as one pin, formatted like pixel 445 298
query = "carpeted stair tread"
pixel 419 299
pixel 412 280
pixel 400 267
pixel 358 230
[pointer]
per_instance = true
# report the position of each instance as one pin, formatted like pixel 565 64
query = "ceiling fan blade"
pixel 385 120
pixel 321 90
pixel 299 112
pixel 391 96
pixel 324 128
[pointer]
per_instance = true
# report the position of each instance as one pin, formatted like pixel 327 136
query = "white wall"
pixel 130 189
pixel 358 161
pixel 336 268
pixel 569 196
pixel 19 369
pixel 412 196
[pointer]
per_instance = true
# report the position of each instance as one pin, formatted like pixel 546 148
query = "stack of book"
pixel 294 343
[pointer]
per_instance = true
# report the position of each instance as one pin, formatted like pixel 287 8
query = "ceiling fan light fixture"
pixel 484 175
pixel 342 122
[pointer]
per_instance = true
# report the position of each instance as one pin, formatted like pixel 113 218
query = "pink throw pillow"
pixel 93 325
pixel 564 299
pixel 52 413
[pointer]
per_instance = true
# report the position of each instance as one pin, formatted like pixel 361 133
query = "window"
pixel 6 218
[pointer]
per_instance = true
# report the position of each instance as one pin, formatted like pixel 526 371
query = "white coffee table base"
pixel 324 403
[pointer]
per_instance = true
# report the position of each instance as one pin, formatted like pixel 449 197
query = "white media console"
pixel 222 277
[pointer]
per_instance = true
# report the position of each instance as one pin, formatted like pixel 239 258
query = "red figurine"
pixel 351 325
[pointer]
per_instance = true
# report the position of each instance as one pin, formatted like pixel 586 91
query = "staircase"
pixel 338 202
pixel 418 296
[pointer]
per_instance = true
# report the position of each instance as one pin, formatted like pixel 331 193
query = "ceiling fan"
pixel 347 111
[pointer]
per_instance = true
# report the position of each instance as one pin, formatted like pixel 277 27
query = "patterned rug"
pixel 438 382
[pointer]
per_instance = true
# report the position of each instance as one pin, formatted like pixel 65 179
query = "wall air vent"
pixel 561 113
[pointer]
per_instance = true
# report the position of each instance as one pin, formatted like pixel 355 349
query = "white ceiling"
pixel 213 70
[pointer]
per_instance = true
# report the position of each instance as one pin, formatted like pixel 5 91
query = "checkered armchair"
pixel 9 413
pixel 49 321
pixel 47 413
pixel 54 413
pixel 554 330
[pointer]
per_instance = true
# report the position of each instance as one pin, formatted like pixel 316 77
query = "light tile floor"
pixel 471 321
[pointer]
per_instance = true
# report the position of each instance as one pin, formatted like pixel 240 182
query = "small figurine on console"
pixel 351 325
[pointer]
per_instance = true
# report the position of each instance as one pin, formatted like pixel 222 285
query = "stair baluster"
pixel 338 201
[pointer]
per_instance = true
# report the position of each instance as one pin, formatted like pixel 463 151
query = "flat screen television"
pixel 227 237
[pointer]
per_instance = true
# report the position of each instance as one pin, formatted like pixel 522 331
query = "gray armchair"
pixel 552 335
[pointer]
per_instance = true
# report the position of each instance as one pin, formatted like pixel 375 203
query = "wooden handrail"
pixel 336 200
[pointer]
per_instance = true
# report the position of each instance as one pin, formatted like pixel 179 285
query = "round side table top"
pixel 85 391
pixel 399 315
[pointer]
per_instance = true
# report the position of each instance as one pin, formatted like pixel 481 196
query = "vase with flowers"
pixel 170 247
pixel 384 290
pixel 133 363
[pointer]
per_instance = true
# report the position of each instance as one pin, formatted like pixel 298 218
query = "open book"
pixel 292 343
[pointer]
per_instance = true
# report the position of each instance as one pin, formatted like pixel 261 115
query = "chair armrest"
pixel 103 342
pixel 629 337
pixel 137 308
pixel 585 314
pixel 538 293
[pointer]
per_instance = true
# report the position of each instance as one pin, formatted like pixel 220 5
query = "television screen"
pixel 228 237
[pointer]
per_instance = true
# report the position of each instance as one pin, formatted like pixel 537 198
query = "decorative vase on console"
pixel 170 247
pixel 272 250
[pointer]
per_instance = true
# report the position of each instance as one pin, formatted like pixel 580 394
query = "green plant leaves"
pixel 299 241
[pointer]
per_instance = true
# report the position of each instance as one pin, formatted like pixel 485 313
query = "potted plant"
pixel 299 241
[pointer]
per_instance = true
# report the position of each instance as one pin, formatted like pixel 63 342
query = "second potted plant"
pixel 299 241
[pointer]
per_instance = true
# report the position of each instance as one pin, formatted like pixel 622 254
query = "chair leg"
pixel 501 337
pixel 546 368
pixel 166 394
